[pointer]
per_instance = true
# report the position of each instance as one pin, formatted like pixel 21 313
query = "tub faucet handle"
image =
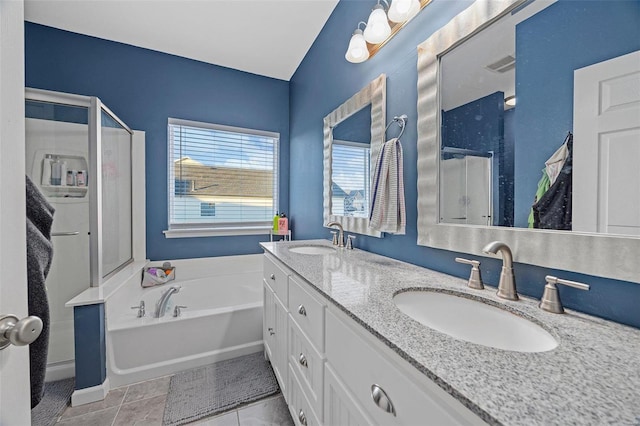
pixel 140 308
pixel 178 310
pixel 475 280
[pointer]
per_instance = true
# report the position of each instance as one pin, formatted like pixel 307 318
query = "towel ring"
pixel 402 122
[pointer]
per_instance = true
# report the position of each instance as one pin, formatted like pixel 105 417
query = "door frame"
pixel 15 398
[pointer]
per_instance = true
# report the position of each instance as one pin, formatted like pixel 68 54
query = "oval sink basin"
pixel 474 321
pixel 312 249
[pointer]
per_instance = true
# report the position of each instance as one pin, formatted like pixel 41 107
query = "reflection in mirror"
pixel 563 46
pixel 353 134
pixel 351 165
pixel 515 165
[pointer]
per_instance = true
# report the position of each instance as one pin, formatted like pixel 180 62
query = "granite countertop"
pixel 591 378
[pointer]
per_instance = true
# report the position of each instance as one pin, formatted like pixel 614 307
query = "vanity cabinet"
pixel 335 372
pixel 275 321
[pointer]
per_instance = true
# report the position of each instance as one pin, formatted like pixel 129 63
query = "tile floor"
pixel 142 404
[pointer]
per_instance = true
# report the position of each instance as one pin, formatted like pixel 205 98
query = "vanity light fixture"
pixel 378 28
pixel 357 51
pixel 381 27
pixel 403 10
pixel 510 100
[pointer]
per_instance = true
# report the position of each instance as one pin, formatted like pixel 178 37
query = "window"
pixel 222 180
pixel 350 177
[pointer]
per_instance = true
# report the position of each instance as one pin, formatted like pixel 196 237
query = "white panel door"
pixel 606 147
pixel 465 190
pixel 14 361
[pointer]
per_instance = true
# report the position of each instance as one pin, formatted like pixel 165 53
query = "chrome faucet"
pixel 507 285
pixel 340 234
pixel 161 304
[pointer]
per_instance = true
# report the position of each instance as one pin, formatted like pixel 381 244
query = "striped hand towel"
pixel 387 213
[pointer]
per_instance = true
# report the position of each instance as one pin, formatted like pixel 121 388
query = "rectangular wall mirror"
pixel 571 74
pixel 353 137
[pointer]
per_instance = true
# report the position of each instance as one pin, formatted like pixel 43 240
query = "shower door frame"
pixel 94 107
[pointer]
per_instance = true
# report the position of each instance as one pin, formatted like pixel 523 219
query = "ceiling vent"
pixel 503 65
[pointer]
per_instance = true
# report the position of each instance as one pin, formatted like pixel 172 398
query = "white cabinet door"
pixel 606 147
pixel 280 348
pixel 14 361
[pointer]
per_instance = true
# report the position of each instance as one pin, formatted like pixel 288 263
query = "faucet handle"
pixel 550 301
pixel 334 239
pixel 140 308
pixel 178 310
pixel 475 279
pixel 350 239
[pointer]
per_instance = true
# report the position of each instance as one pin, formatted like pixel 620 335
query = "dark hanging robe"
pixel 553 209
pixel 39 256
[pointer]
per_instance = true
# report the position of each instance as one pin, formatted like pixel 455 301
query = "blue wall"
pixel 325 79
pixel 144 88
pixel 592 31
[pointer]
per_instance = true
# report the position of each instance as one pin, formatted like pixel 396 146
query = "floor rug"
pixel 55 400
pixel 218 387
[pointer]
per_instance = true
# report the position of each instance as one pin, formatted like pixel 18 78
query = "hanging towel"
pixel 387 213
pixel 554 209
pixel 39 256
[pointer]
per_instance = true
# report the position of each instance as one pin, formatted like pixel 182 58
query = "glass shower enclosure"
pixel 79 153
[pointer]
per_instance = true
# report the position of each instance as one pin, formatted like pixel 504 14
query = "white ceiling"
pixel 264 37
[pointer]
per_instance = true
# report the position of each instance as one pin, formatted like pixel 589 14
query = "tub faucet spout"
pixel 161 305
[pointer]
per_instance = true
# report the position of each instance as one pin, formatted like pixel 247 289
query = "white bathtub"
pixel 223 320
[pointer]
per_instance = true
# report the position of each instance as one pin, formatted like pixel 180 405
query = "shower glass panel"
pixel 116 194
pixel 79 154
pixel 57 146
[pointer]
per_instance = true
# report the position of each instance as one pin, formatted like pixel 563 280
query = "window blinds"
pixel 221 176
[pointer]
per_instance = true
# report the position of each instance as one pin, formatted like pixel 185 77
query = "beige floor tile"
pixel 227 419
pixel 147 389
pixel 272 411
pixel 146 412
pixel 113 399
pixel 97 418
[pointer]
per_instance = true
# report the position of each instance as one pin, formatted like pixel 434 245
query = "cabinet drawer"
pixel 275 274
pixel 308 364
pixel 339 407
pixel 307 312
pixel 299 407
pixel 361 365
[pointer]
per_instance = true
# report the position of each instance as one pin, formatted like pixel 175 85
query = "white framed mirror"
pixel 353 137
pixel 440 220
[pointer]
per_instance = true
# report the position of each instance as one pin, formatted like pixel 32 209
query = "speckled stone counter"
pixel 591 378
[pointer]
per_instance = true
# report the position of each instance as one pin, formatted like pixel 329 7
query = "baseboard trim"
pixel 88 395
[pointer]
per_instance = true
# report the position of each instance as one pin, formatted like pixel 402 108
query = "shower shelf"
pixel 64 191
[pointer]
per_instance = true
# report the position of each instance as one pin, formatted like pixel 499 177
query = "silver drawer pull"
pixel 302 418
pixel 303 361
pixel 302 311
pixel 273 276
pixel 381 399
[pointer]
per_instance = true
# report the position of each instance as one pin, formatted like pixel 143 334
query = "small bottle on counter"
pixel 275 222
pixel 46 169
pixel 283 224
pixel 56 172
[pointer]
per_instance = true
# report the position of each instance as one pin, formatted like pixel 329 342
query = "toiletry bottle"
pixel 275 222
pixel 81 178
pixel 56 172
pixel 63 173
pixel 71 178
pixel 46 170
pixel 283 224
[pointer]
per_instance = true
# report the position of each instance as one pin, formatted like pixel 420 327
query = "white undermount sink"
pixel 474 321
pixel 312 249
